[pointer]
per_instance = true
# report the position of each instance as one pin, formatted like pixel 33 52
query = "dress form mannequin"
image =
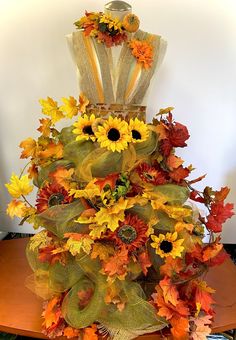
pixel 112 83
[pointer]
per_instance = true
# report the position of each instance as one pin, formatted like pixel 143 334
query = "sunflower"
pixel 131 233
pixel 114 134
pixel 138 130
pixel 50 195
pixel 167 245
pixel 150 174
pixel 84 128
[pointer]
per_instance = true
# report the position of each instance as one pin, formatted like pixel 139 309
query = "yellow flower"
pixel 114 24
pixel 50 108
pixel 16 208
pixel 84 129
pixel 142 51
pixel 114 134
pixel 167 245
pixel 70 108
pixel 19 186
pixel 90 191
pixel 138 130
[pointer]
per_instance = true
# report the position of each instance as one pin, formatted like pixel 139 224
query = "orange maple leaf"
pixel 30 148
pixel 144 261
pixel 211 251
pixel 33 171
pixel 203 295
pixel 74 236
pixel 117 264
pixel 62 176
pixel 180 328
pixel 102 251
pixel 90 333
pixel 162 131
pixel 170 292
pixel 179 173
pixel 71 332
pixel 222 194
pixel 174 162
pixel 45 127
pixel 109 180
pixel 51 313
pixel 167 310
pixel 52 150
pixel 172 266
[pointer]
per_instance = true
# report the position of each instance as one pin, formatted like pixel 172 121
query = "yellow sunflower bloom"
pixel 19 186
pixel 167 245
pixel 83 128
pixel 16 208
pixel 138 130
pixel 114 134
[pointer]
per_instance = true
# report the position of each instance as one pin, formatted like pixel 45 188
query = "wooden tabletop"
pixel 20 309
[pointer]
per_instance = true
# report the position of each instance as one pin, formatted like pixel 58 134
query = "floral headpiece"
pixel 112 31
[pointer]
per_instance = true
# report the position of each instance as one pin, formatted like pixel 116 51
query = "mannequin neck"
pixel 117 9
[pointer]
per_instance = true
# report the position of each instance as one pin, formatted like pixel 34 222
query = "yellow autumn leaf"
pixel 96 231
pixel 16 208
pixel 19 186
pixel 83 103
pixel 50 108
pixel 76 246
pixel 179 226
pixel 30 148
pixel 39 240
pixel 70 107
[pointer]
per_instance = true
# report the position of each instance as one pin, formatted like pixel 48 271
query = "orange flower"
pixel 142 50
pixel 52 194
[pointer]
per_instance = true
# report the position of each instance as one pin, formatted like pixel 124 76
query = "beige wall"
pixel 198 77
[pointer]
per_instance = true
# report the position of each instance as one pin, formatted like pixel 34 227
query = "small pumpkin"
pixel 131 23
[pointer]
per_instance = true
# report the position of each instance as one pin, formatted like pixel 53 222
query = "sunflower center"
pixel 136 134
pixel 113 135
pixel 148 176
pixel 88 130
pixel 166 246
pixel 127 234
pixel 55 199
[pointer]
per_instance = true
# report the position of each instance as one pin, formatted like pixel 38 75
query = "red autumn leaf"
pixel 197 179
pixel 179 174
pixel 194 195
pixel 109 180
pixel 174 162
pixel 170 292
pixel 165 147
pixel 144 261
pixel 46 255
pixel 178 135
pixel 171 266
pixel 222 194
pixel 219 213
pixel 180 328
pixel 218 259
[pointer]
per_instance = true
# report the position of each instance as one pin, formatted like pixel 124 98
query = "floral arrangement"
pixel 121 251
pixel 111 31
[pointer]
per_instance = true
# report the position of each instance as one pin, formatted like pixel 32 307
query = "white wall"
pixel 198 78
